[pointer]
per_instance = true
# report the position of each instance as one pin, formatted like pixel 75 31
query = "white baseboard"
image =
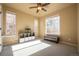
pixel 68 43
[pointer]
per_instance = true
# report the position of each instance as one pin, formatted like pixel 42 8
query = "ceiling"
pixel 24 7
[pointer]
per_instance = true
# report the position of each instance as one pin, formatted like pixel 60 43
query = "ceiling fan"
pixel 40 6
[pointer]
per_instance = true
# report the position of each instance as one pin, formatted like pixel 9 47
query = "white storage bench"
pixel 24 37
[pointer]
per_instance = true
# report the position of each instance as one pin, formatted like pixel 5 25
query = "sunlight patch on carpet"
pixel 29 48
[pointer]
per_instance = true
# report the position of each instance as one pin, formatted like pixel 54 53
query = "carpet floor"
pixel 39 48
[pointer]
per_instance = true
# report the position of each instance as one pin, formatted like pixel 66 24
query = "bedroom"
pixel 24 17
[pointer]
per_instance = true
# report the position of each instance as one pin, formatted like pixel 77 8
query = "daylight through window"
pixel 53 25
pixel 10 23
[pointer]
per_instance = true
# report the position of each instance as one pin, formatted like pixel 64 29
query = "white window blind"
pixel 36 26
pixel 53 25
pixel 10 23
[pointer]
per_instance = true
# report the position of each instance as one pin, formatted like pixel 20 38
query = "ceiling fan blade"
pixel 45 4
pixel 44 9
pixel 38 4
pixel 33 7
pixel 37 11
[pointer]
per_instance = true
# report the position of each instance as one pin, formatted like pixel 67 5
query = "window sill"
pixel 9 36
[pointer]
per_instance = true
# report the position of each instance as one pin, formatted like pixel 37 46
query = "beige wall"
pixel 68 24
pixel 22 20
pixel 78 26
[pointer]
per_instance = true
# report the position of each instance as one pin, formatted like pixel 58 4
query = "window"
pixel 53 25
pixel 36 26
pixel 10 23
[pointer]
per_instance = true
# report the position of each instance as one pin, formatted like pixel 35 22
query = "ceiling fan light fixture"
pixel 39 8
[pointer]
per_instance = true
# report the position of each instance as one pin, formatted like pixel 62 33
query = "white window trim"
pixel 46 24
pixel 36 26
pixel 11 12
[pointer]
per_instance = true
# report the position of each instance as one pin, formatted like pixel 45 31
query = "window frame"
pixel 47 18
pixel 13 13
pixel 36 24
